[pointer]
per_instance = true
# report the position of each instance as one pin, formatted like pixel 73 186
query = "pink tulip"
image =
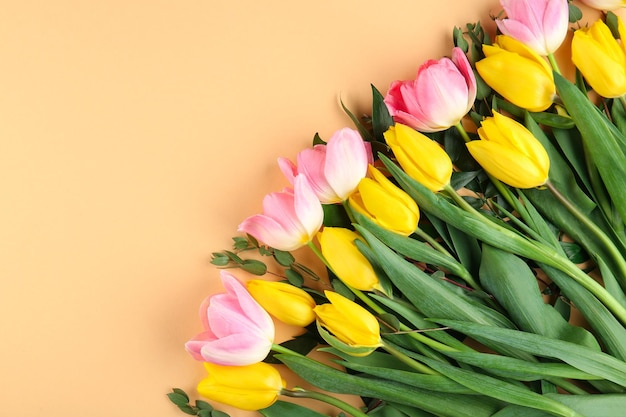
pixel 290 218
pixel 539 24
pixel 334 170
pixel 441 94
pixel 237 330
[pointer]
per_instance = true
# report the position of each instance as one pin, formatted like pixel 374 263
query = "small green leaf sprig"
pixel 201 408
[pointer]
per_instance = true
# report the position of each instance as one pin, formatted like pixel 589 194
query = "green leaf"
pixel 317 140
pixel 499 389
pixel 602 146
pixel 513 284
pixel 597 405
pixel 254 267
pixel 459 39
pixel 441 404
pixel 574 252
pixel 575 14
pixel 181 392
pixel 283 258
pixel 612 22
pixel 203 405
pixel 335 216
pixel 204 413
pixel 583 358
pixel 178 398
pixel 216 413
pixel 284 409
pixel 220 259
pixel 381 119
pixel 294 277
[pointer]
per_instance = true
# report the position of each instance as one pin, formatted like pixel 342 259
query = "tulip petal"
pixel 288 168
pixel 248 305
pixel 311 164
pixel 307 207
pixel 346 162
pixel 270 232
pixel 236 349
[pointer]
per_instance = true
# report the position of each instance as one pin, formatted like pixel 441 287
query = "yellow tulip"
pixel 385 204
pixel 420 157
pixel 348 322
pixel 345 259
pixel 601 58
pixel 251 387
pixel 287 303
pixel 509 152
pixel 518 74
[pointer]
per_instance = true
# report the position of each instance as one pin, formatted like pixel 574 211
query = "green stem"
pixel 328 399
pixel 427 340
pixel 281 349
pixel 432 242
pixel 554 64
pixel 460 201
pixel 348 209
pixel 419 367
pixel 462 131
pixel 318 253
pixel 593 228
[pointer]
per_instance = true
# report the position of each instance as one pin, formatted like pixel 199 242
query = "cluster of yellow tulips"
pixel 447 234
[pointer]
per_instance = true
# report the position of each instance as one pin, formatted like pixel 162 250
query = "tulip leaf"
pixel 381 119
pixel 335 215
pixel 513 284
pixel 602 146
pixel 317 140
pixel 441 404
pixel 606 327
pixel 363 131
pixel 597 405
pixel 499 389
pixel 581 357
pixel 612 22
pixel 284 408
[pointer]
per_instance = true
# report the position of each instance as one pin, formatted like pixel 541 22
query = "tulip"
pixel 540 24
pixel 605 4
pixel 518 74
pixel 420 157
pixel 287 303
pixel 252 387
pixel 601 59
pixel 385 204
pixel 346 260
pixel 333 170
pixel 348 322
pixel 441 94
pixel 290 218
pixel 509 152
pixel 237 329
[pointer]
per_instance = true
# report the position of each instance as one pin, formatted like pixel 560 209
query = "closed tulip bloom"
pixel 333 170
pixel 518 74
pixel 287 303
pixel 290 218
pixel 345 259
pixel 420 157
pixel 509 152
pixel 348 321
pixel 601 58
pixel 539 24
pixel 605 4
pixel 441 94
pixel 385 204
pixel 237 331
pixel 252 387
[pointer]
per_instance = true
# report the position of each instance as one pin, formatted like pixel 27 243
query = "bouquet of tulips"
pixel 473 232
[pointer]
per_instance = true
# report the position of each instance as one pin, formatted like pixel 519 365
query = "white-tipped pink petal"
pixel 307 207
pixel 288 168
pixel 346 162
pixel 465 68
pixel 237 349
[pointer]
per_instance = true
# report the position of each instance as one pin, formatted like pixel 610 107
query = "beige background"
pixel 134 137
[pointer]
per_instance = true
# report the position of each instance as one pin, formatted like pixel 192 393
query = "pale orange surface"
pixel 134 137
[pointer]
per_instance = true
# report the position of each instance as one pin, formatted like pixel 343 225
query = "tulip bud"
pixel 441 94
pixel 601 58
pixel 518 74
pixel 252 387
pixel 350 325
pixel 290 218
pixel 287 303
pixel 605 5
pixel 333 170
pixel 385 204
pixel 539 24
pixel 237 330
pixel 509 152
pixel 420 157
pixel 345 259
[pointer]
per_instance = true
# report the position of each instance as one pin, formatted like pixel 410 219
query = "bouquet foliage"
pixel 473 232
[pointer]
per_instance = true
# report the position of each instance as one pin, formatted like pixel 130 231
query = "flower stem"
pixel 419 367
pixel 463 132
pixel 328 399
pixel 554 64
pixel 281 349
pixel 592 227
